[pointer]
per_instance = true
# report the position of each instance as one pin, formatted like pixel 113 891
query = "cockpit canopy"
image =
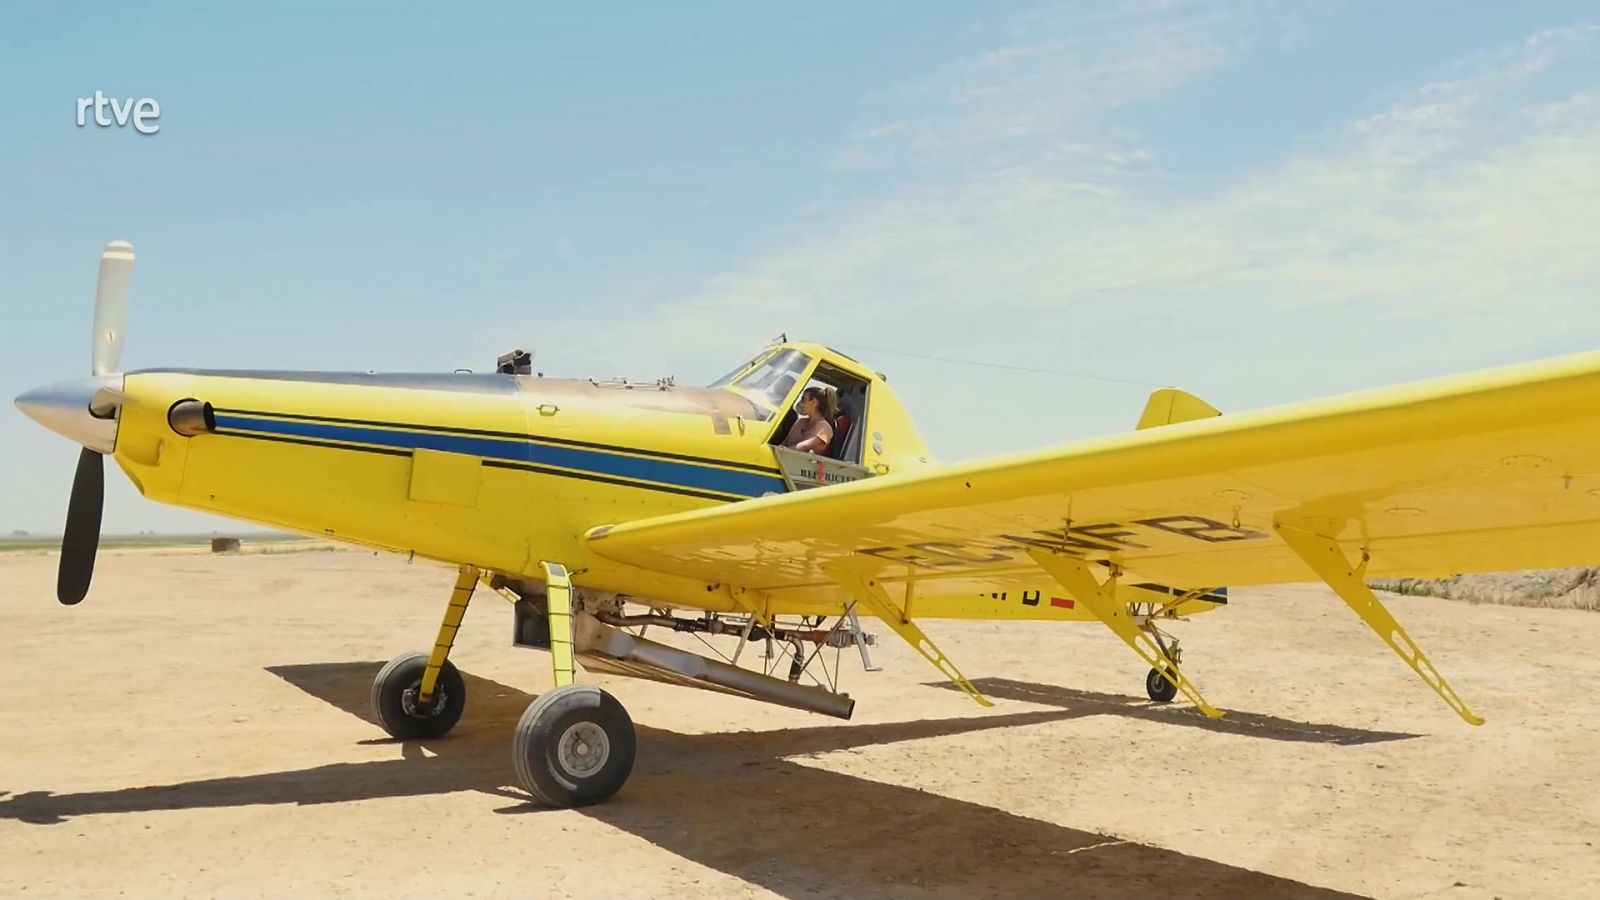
pixel 866 415
pixel 770 380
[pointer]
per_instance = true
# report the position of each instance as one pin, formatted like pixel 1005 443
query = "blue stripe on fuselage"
pixel 678 474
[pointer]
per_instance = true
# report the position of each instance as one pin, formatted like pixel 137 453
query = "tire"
pixel 573 746
pixel 394 694
pixel 1159 688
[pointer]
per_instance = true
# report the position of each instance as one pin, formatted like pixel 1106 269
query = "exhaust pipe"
pixel 191 417
pixel 597 643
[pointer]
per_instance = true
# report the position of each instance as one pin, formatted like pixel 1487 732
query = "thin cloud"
pixel 1454 226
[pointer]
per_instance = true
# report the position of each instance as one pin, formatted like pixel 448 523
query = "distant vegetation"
pixel 23 541
pixel 1576 588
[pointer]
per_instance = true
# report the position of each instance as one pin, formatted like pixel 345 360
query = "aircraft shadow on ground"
pixel 736 803
pixel 1245 724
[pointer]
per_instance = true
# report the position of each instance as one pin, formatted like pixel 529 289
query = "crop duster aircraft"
pixel 603 509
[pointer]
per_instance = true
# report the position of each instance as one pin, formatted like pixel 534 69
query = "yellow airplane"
pixel 602 509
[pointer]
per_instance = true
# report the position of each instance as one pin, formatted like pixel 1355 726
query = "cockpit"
pixel 773 382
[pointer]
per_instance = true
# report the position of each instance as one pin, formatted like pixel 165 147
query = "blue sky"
pixel 1259 202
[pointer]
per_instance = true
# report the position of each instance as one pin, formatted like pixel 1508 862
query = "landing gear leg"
pixel 1161 684
pixel 575 744
pixel 421 695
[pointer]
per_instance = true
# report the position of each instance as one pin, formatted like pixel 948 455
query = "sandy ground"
pixel 198 727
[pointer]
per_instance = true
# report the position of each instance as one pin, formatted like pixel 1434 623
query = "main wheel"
pixel 394 698
pixel 573 746
pixel 1159 688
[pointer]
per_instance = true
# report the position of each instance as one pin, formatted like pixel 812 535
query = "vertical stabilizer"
pixel 1168 406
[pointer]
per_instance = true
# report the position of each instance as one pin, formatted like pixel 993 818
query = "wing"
pixel 1498 469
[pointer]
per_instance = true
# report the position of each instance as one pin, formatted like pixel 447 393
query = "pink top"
pixel 809 435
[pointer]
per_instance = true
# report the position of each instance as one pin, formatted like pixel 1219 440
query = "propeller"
pixel 110 307
pixel 80 539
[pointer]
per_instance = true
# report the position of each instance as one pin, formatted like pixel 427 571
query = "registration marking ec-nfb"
pixel 1078 540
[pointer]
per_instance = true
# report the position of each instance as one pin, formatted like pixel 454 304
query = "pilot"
pixel 813 431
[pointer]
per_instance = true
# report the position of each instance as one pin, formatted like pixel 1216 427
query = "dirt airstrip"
pixel 198 727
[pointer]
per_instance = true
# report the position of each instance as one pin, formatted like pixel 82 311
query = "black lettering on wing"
pixel 1114 532
pixel 1201 528
pixel 898 555
pixel 960 553
pixel 1041 543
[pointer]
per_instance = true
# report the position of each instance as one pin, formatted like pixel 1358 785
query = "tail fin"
pixel 1169 406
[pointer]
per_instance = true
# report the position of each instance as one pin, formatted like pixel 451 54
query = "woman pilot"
pixel 813 431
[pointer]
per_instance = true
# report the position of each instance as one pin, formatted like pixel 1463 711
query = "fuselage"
pixel 499 471
pixel 505 472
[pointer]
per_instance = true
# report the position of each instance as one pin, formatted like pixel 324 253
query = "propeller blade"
pixel 80 540
pixel 111 307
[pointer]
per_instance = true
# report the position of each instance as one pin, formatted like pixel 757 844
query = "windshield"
pixel 773 379
pixel 727 379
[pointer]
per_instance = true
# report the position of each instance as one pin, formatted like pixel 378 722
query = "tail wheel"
pixel 574 746
pixel 1159 688
pixel 395 699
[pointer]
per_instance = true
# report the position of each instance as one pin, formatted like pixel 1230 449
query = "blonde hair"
pixel 827 400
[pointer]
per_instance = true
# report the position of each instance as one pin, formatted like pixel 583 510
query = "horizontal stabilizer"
pixel 1169 406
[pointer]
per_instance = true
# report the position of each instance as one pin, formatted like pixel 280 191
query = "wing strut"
pixel 872 597
pixel 1076 576
pixel 1329 562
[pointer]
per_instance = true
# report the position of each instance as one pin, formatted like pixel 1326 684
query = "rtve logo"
pixel 143 112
